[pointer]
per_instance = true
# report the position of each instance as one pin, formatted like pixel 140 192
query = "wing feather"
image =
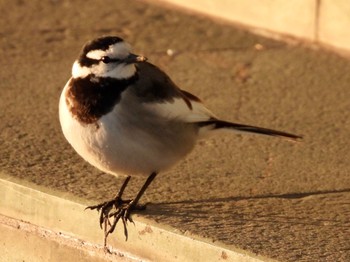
pixel 186 107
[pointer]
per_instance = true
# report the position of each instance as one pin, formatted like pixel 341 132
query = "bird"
pixel 126 117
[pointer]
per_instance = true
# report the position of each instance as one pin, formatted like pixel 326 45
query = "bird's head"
pixel 107 56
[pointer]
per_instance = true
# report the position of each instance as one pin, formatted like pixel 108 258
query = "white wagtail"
pixel 126 117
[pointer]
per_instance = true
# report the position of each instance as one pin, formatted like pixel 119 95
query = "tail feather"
pixel 218 124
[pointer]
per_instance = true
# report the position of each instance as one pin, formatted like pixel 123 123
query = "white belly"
pixel 124 142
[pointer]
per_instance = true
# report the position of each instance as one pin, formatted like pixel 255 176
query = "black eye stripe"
pixel 107 59
pixel 85 61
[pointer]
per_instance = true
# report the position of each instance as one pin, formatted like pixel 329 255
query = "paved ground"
pixel 283 200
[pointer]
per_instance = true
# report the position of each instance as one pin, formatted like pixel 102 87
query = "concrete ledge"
pixel 22 241
pixel 335 23
pixel 296 17
pixel 73 232
pixel 324 22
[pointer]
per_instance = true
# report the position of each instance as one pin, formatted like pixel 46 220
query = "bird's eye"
pixel 106 59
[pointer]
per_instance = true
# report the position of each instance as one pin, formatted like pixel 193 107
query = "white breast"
pixel 128 140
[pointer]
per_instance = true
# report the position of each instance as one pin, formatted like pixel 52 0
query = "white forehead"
pixel 117 50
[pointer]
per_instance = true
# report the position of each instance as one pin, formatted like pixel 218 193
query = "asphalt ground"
pixel 288 201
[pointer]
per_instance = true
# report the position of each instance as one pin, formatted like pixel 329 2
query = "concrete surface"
pixel 296 18
pixel 55 232
pixel 25 242
pixel 334 23
pixel 278 199
pixel 323 22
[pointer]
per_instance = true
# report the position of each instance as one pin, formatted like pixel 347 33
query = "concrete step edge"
pixel 148 240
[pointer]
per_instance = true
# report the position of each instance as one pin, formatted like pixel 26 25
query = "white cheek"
pixel 121 71
pixel 80 71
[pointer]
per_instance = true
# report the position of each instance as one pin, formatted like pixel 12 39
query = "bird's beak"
pixel 132 58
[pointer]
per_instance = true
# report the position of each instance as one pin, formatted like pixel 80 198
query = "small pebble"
pixel 259 47
pixel 170 52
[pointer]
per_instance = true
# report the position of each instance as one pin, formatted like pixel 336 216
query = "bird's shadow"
pixel 227 210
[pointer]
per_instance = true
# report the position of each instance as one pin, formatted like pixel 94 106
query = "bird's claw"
pixel 118 209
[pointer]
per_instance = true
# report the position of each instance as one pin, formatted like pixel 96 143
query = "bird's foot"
pixel 114 210
pixel 118 209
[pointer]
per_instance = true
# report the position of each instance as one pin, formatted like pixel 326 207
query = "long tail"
pixel 218 124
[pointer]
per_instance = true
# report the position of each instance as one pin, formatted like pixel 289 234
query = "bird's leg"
pixel 125 211
pixel 134 203
pixel 117 208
